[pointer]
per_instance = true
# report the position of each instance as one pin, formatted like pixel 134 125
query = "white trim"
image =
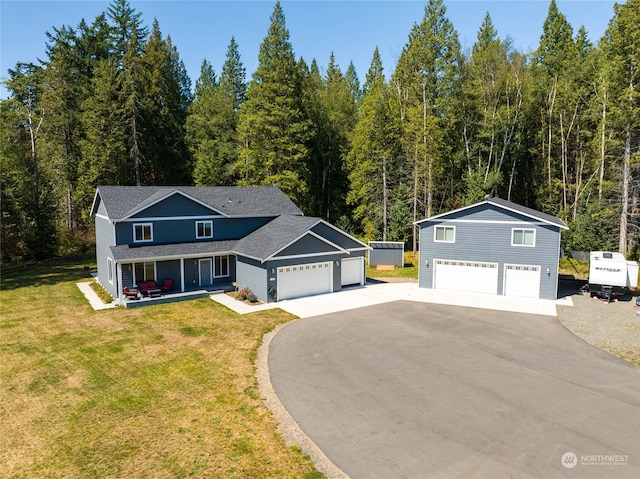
pixel 204 222
pixel 435 234
pixel 143 225
pixel 513 230
pixel 171 218
pixel 103 217
pixel 174 257
pixel 491 222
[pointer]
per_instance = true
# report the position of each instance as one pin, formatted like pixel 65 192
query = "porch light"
pixel 426 262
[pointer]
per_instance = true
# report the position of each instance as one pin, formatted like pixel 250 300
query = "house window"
pixel 142 232
pixel 110 270
pixel 221 267
pixel 522 237
pixel 144 271
pixel 204 229
pixel 445 234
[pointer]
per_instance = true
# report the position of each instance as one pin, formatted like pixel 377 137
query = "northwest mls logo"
pixel 569 460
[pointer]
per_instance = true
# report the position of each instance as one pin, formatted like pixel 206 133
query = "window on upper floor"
pixel 142 232
pixel 523 237
pixel 445 234
pixel 204 229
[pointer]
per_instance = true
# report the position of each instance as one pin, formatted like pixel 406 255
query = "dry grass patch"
pixel 161 391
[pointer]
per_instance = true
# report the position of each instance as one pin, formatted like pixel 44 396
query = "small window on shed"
pixel 445 234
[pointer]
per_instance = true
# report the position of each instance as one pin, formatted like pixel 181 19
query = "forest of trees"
pixel 556 129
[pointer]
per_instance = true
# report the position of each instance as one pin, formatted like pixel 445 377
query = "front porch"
pixel 175 296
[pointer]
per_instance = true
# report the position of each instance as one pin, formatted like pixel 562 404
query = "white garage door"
pixel 521 280
pixel 304 280
pixel 352 271
pixel 469 276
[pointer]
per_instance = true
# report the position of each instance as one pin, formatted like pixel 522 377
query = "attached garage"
pixel 352 271
pixel 467 276
pixel 304 280
pixel 522 280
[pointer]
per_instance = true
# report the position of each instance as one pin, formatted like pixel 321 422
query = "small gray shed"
pixel 389 253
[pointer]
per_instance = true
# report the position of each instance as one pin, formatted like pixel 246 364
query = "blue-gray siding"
pixel 336 237
pixel 386 253
pixel 175 205
pixel 104 239
pixel 306 245
pixel 485 236
pixel 184 230
pixel 253 275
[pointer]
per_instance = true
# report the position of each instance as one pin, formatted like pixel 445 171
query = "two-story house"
pixel 201 237
pixel 493 247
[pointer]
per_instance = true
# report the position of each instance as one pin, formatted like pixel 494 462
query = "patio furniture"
pixel 145 286
pixel 154 293
pixel 130 293
pixel 167 285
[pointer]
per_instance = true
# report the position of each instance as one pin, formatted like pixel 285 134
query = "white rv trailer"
pixel 610 274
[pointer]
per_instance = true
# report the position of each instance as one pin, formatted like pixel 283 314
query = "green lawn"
pixel 160 391
pixel 409 271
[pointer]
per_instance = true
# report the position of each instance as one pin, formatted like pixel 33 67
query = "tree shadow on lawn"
pixel 46 275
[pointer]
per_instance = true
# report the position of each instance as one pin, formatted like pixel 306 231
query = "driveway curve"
pixel 415 390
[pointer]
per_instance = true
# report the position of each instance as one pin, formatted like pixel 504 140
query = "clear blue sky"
pixel 350 28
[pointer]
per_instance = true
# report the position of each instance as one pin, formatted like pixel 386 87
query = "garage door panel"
pixel 304 280
pixel 466 276
pixel 352 271
pixel 522 281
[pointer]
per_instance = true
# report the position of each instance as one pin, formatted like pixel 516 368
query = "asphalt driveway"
pixel 418 390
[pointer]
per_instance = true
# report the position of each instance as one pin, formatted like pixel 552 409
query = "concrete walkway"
pixel 95 302
pixel 380 293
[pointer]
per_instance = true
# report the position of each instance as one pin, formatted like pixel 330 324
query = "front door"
pixel 205 272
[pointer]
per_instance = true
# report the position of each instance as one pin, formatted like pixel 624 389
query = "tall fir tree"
pixel 373 158
pixel 273 130
pixel 621 72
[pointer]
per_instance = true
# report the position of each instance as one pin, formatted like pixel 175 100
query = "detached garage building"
pixel 492 247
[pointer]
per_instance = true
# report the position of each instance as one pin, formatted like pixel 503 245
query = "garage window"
pixel 445 234
pixel 523 237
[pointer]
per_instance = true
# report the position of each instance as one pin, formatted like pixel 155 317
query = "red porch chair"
pixel 167 285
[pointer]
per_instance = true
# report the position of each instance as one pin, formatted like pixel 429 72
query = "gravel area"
pixel 614 327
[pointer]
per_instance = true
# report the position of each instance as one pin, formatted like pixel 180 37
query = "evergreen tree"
pixel 373 158
pixel 426 84
pixel 272 129
pixel 492 96
pixel 27 181
pixel 165 98
pixel 213 120
pixel 621 74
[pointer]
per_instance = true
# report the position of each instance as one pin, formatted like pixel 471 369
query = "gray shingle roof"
pixel 122 201
pixel 126 252
pixel 274 236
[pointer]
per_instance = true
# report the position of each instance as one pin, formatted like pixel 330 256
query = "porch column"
pixel 182 274
pixel 119 282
